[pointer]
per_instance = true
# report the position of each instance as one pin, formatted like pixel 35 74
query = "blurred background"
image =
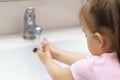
pixel 49 14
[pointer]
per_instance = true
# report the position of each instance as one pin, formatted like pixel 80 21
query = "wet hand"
pixel 53 50
pixel 45 53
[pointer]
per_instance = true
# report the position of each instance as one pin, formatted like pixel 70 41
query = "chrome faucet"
pixel 30 27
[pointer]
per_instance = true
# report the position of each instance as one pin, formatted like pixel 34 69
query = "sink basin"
pixel 20 63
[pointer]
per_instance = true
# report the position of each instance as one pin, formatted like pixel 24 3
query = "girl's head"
pixel 101 23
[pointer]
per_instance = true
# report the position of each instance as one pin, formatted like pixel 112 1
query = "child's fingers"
pixel 45 39
pixel 39 52
pixel 45 46
pixel 44 42
pixel 41 55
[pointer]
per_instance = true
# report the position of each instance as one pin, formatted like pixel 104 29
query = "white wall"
pixel 49 14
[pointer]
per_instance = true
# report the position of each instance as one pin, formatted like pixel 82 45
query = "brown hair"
pixel 99 14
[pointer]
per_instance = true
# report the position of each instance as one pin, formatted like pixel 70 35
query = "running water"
pixel 37 43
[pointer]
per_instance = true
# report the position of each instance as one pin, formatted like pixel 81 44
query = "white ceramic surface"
pixel 18 62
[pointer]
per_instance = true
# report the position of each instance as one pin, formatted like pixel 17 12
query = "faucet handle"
pixel 30 10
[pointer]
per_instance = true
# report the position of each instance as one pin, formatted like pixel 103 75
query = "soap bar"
pixel 35 49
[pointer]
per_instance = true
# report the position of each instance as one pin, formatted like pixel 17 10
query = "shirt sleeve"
pixel 82 69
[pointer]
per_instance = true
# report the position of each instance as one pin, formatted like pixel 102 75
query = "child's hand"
pixel 54 70
pixel 45 53
pixel 53 50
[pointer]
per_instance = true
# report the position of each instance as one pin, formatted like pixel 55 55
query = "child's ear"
pixel 100 38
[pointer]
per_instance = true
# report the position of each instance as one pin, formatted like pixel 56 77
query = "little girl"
pixel 101 24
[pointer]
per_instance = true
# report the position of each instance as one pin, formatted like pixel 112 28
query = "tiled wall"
pixel 49 14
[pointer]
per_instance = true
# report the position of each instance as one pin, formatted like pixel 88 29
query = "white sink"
pixel 20 63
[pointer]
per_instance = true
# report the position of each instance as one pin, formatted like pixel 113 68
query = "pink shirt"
pixel 104 67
